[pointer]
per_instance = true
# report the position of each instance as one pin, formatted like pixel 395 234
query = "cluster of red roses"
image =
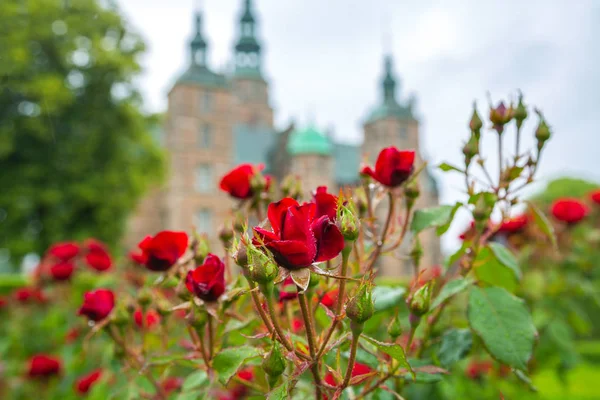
pixel 61 259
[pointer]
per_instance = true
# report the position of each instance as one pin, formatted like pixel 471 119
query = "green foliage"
pixel 503 322
pixel 450 289
pixel 431 217
pixel 229 361
pixel 77 145
pixel 455 345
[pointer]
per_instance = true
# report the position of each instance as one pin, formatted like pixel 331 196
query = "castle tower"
pixel 312 160
pixel 199 142
pixel 251 91
pixel 392 123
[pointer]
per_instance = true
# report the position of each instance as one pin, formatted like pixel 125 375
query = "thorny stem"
pixel 310 337
pixel 227 260
pixel 499 160
pixel 198 343
pixel 211 343
pixel 379 382
pixel 518 142
pixel 400 239
pixel 382 237
pixel 353 348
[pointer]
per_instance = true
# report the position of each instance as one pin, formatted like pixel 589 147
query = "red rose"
pixel 72 335
pixel 97 255
pixel 297 325
pixel 285 295
pixel 160 252
pixel 393 166
pixel 97 304
pixel 570 211
pixel 171 384
pixel 238 181
pixel 83 384
pixel 595 196
pixel 24 295
pixel 207 281
pixel 152 318
pixel 330 298
pixel 514 225
pixel 62 271
pixel 477 369
pixel 298 237
pixel 64 251
pixel 3 302
pixel 327 204
pixel 357 370
pixel 43 366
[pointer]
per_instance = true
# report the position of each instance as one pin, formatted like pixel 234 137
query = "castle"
pixel 216 121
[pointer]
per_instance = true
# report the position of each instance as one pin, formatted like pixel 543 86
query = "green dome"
pixel 309 141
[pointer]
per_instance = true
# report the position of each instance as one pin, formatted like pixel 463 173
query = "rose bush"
pixel 303 314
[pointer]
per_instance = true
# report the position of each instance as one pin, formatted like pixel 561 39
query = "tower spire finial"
pixel 389 82
pixel 198 44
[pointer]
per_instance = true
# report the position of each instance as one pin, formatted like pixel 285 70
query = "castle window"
pixel 403 133
pixel 204 178
pixel 205 139
pixel 203 220
pixel 207 102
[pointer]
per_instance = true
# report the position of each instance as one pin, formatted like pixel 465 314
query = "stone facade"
pixel 216 121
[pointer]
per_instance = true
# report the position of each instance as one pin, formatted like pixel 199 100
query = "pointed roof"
pixel 309 141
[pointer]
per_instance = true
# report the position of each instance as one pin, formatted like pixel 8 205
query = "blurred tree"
pixel 76 151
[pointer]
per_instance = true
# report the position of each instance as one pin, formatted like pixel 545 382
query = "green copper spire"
pixel 389 82
pixel 247 48
pixel 198 44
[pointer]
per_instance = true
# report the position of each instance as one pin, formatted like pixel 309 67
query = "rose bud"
pixel 411 190
pixel 240 256
pixel 152 318
pixel 64 251
pixel 207 281
pixel 97 256
pixel 202 248
pixel 238 182
pixel 500 116
pixel 24 295
pixel 475 124
pixel 225 235
pixel 520 113
pixel 471 149
pixel 569 210
pixel 121 316
pixel 144 297
pixel 97 304
pixel 392 168
pixel 161 252
pixel 416 253
pixel 348 223
pixel 394 328
pixel 83 384
pixel 542 133
pixel 62 271
pixel 291 187
pixel 360 308
pixel 514 224
pixel 171 384
pixel 595 196
pixel 3 302
pixel 420 301
pixel 274 363
pixel 298 237
pixel 44 366
pixel 330 298
pixel 262 269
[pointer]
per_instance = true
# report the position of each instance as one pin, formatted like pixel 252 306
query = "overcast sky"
pixel 324 61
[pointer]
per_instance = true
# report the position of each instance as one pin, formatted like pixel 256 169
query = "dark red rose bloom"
pixel 64 251
pixel 285 295
pixel 299 238
pixel 207 281
pixel 97 304
pixel 83 384
pixel 595 196
pixel 238 181
pixel 3 302
pixel 62 271
pixel 477 369
pixel 160 252
pixel 97 256
pixel 246 374
pixel 393 166
pixel 171 384
pixel 43 366
pixel 152 318
pixel 357 369
pixel 570 211
pixel 25 295
pixel 72 335
pixel 514 224
pixel 327 204
pixel 330 298
pixel 297 325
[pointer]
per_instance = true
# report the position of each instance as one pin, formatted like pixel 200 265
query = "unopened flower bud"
pixel 169 282
pixel 394 328
pixel 258 182
pixel 500 116
pixel 542 133
pixel 348 223
pixel 360 308
pixel 197 318
pixel 225 235
pixel 163 308
pixel 475 124
pixel 471 149
pixel 416 253
pixel 121 317
pixel 411 189
pixel 420 301
pixel 239 221
pixel 274 363
pixel 144 297
pixel 482 212
pixel 240 256
pixel 520 113
pixel 291 187
pixel 202 249
pixel 262 269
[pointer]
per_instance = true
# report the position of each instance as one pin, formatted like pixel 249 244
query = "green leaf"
pixel 280 392
pixel 450 289
pixel 194 380
pixel 430 217
pixel 506 258
pixel 189 396
pixel 228 361
pixel 448 167
pixel 453 258
pixel 456 344
pixel 542 222
pixel 444 228
pixel 387 297
pixel 393 350
pixel 503 323
pixel 9 282
pixel 490 271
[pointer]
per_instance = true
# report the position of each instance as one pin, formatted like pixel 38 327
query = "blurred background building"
pixel 215 121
